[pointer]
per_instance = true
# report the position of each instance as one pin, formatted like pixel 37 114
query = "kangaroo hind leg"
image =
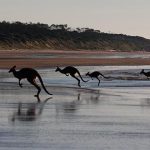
pixel 76 79
pixel 20 84
pixel 32 81
pixel 98 81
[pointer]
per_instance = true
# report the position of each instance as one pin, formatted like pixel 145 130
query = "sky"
pixel 131 17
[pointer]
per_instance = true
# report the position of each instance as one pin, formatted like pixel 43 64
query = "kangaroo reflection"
pixel 146 102
pixel 95 98
pixel 29 112
pixel 71 106
pixel 68 107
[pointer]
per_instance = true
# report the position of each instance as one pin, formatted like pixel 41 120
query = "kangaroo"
pixel 95 74
pixel 147 74
pixel 30 74
pixel 72 71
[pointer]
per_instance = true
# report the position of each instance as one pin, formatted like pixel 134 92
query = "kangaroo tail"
pixel 43 85
pixel 81 77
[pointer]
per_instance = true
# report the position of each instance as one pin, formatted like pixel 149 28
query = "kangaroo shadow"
pixel 95 98
pixel 72 106
pixel 29 111
pixel 146 102
pixel 68 107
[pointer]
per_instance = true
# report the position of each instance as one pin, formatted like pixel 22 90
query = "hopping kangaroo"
pixel 95 74
pixel 147 74
pixel 72 71
pixel 30 74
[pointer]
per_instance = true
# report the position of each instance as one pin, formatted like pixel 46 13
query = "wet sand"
pixel 45 58
pixel 114 116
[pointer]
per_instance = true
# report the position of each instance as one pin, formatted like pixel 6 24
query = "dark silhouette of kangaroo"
pixel 30 74
pixel 147 74
pixel 95 74
pixel 72 71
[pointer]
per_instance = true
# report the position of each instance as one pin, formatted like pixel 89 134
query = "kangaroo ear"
pixel 14 67
pixel 87 73
pixel 142 71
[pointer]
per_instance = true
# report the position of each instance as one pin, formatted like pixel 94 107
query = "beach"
pixel 113 116
pixel 53 58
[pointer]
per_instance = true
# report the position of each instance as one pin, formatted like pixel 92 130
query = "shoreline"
pixel 53 62
pixel 25 58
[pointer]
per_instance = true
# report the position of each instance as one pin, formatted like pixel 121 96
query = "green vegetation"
pixel 19 35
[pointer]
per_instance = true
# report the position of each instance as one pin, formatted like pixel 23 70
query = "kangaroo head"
pixel 142 71
pixel 12 69
pixel 87 73
pixel 57 69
